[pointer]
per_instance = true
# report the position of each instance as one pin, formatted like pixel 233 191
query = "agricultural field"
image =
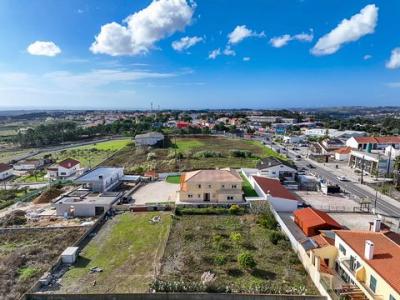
pixel 25 255
pixel 188 153
pixel 238 252
pixel 128 249
pixel 89 155
pixel 8 155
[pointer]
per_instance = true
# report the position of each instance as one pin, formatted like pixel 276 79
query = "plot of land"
pixel 25 255
pixel 189 153
pixel 156 192
pixel 90 155
pixel 127 249
pixel 199 244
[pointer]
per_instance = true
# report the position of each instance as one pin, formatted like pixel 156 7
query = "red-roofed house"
pixel 312 220
pixel 64 169
pixel 182 124
pixel 272 190
pixel 5 171
pixel 343 153
pixel 379 142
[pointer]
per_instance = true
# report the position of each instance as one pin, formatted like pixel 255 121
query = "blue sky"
pixel 199 54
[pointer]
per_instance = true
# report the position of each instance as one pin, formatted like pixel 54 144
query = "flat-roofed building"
pixel 101 179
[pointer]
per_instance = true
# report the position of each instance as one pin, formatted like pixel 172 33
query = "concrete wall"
pixel 169 296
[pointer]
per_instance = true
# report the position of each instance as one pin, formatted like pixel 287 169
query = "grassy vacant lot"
pixel 25 255
pixel 199 244
pixel 36 177
pixel 7 155
pixel 191 154
pixel 248 189
pixel 90 155
pixel 127 248
pixel 175 179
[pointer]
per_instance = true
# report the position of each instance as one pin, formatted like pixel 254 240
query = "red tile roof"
pixel 344 150
pixel 386 259
pixel 274 188
pixel 322 240
pixel 69 163
pixel 4 167
pixel 311 217
pixel 378 140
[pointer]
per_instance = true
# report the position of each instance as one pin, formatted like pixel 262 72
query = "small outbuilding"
pixel 69 255
pixel 311 221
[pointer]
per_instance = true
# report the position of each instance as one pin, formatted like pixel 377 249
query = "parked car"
pixel 311 166
pixel 342 178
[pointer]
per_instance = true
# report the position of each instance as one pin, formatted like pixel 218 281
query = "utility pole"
pixel 362 170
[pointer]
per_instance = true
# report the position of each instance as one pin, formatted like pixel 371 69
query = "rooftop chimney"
pixel 369 250
pixel 377 225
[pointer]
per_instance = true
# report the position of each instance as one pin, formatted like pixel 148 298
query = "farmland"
pixel 199 244
pixel 89 155
pixel 25 255
pixel 188 153
pixel 127 249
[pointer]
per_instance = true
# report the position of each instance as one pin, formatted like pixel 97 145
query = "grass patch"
pixel 247 188
pixel 127 248
pixel 173 179
pixel 39 177
pixel 203 152
pixel 225 245
pixel 28 272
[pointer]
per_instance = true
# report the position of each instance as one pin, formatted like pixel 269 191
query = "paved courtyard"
pixel 327 203
pixel 154 192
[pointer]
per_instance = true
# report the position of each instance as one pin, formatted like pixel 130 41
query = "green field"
pixel 89 155
pixel 205 243
pixel 127 249
pixel 203 152
pixel 175 179
pixel 38 177
pixel 247 188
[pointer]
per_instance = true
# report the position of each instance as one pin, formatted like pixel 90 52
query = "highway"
pixel 348 186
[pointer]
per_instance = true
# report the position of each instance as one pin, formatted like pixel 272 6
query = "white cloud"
pixel 186 42
pixel 280 41
pixel 283 40
pixel 349 30
pixel 367 56
pixel 228 51
pixel 141 30
pixel 213 54
pixel 241 32
pixel 394 61
pixel 43 48
pixel 246 58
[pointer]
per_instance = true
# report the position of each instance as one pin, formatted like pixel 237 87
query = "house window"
pixel 198 195
pixel 209 186
pixel 222 186
pixel 229 197
pixel 199 186
pixel 342 249
pixel 234 186
pixel 190 196
pixel 372 283
pixel 273 173
pixel 391 297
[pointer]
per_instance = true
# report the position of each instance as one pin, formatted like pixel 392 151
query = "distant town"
pixel 294 202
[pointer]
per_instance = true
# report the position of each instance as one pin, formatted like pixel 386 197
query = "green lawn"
pixel 127 249
pixel 113 145
pixel 189 144
pixel 32 178
pixel 247 188
pixel 173 179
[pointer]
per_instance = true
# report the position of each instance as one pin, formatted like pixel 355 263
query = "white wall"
pixel 351 142
pixel 5 174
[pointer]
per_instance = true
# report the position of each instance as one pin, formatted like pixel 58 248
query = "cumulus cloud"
pixel 283 40
pixel 140 31
pixel 213 54
pixel 43 48
pixel 185 43
pixel 367 56
pixel 394 61
pixel 228 51
pixel 246 58
pixel 349 30
pixel 241 32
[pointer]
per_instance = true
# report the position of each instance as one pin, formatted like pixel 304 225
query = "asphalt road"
pixel 350 187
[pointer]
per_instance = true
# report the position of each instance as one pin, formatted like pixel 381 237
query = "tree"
pixel 246 261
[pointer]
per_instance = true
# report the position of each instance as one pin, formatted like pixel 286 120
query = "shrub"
pixel 207 154
pixel 236 237
pixel 220 260
pixel 241 153
pixel 246 260
pixel 267 220
pixel 151 156
pixel 234 209
pixel 275 237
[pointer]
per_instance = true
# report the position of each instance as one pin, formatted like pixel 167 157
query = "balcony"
pixel 340 290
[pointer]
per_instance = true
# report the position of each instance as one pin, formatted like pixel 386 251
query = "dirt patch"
pixel 47 196
pixel 26 254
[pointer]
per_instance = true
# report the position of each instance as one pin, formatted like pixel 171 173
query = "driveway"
pixel 158 191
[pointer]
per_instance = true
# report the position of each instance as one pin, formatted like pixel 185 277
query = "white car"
pixel 342 178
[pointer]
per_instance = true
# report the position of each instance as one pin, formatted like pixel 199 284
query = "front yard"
pixel 127 249
pixel 219 245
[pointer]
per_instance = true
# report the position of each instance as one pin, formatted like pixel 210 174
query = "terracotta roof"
pixel 69 163
pixel 386 259
pixel 223 175
pixel 344 150
pixel 324 268
pixel 323 241
pixel 378 140
pixel 274 188
pixel 5 167
pixel 311 217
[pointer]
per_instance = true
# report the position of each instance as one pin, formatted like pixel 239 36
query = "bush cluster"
pixel 207 154
pixel 241 153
